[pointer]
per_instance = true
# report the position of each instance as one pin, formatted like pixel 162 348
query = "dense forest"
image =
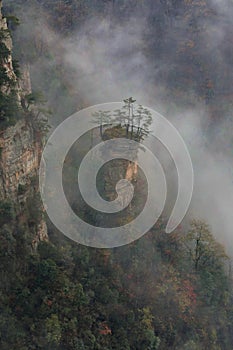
pixel 163 291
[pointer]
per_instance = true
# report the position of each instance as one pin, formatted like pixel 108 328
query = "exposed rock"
pixel 8 62
pixel 21 149
pixel 20 152
pixel 25 80
pixel 20 155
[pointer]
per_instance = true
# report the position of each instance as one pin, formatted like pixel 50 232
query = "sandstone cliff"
pixel 20 152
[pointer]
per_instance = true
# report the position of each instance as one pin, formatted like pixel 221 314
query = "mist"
pixel 109 59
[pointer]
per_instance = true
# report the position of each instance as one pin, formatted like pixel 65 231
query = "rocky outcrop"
pixel 20 152
pixel 8 62
pixel 25 81
pixel 19 159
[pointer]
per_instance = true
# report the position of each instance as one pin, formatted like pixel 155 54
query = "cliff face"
pixel 20 155
pixel 20 152
pixel 7 63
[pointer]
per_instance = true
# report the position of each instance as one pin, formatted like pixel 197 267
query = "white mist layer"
pixel 105 62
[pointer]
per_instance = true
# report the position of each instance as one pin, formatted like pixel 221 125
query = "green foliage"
pixel 13 20
pixel 10 110
pixel 16 67
pixel 203 248
pixel 6 212
pixel 5 80
pixel 191 345
pixel 9 105
pixel 4 51
pixel 161 292
pixel 33 206
pixel 22 189
pixel 33 105
pixel 73 297
pixel 134 121
pixel 33 98
pixel 53 330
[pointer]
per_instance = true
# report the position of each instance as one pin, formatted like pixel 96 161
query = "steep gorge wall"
pixel 20 152
pixel 7 63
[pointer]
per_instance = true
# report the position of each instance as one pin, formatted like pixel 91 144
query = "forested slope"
pixel 164 291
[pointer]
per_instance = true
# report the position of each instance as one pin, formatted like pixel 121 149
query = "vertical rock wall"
pixel 20 152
